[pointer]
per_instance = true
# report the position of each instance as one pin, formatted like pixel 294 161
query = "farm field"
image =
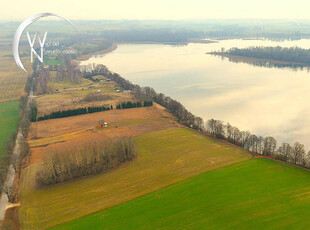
pixel 12 79
pixel 55 127
pixel 255 194
pixel 164 157
pixel 60 133
pixel 9 117
pixel 70 95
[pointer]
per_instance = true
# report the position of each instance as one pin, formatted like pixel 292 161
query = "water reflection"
pixel 265 101
pixel 264 63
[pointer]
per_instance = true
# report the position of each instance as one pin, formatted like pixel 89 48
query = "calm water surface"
pixel 265 101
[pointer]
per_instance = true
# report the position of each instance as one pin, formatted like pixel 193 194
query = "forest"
pixel 292 54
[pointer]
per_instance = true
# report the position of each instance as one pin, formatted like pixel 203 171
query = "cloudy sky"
pixel 158 9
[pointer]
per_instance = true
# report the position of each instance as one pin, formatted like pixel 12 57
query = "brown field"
pixel 60 133
pixel 53 84
pixel 11 219
pixel 61 126
pixel 12 79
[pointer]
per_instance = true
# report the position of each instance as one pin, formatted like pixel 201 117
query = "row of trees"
pixel 293 54
pixel 72 72
pixel 74 112
pixel 63 113
pixel 91 109
pixel 261 145
pixel 90 159
pixel 129 104
pixel 94 109
pixel 147 93
pixel 41 83
pixel 266 146
pixel 42 76
pixel 18 159
pixel 6 159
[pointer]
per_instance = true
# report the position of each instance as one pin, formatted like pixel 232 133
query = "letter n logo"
pixel 31 43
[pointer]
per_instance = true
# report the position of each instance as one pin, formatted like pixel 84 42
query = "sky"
pixel 158 9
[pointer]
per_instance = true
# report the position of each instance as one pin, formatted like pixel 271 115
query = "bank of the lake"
pixel 265 101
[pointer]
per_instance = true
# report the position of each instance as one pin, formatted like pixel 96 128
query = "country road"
pixel 11 172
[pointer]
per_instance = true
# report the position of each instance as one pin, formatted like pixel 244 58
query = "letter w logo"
pixel 31 43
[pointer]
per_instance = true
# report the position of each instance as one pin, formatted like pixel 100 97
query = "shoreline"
pixel 192 40
pixel 85 57
pixel 114 46
pixel 273 156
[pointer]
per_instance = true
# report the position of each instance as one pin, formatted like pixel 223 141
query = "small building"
pixel 102 124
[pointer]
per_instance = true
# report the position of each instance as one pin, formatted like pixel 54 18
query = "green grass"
pixel 9 117
pixel 164 158
pixel 255 194
pixel 54 61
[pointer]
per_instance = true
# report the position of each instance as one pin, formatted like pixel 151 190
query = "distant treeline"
pixel 293 54
pixel 267 146
pixel 92 109
pixel 90 159
pixel 166 35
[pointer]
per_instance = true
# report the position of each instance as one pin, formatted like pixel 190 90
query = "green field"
pixel 255 194
pixel 164 158
pixel 9 117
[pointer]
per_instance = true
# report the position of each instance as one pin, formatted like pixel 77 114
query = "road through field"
pixel 11 173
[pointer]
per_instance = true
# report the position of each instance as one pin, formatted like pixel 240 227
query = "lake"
pixel 264 101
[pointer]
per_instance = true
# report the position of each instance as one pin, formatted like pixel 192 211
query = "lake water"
pixel 265 101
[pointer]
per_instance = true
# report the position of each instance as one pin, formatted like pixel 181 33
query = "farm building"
pixel 102 124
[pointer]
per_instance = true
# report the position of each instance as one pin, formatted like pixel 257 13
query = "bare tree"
pixel 285 151
pixel 90 159
pixel 298 153
pixel 216 128
pixel 244 139
pixel 270 145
